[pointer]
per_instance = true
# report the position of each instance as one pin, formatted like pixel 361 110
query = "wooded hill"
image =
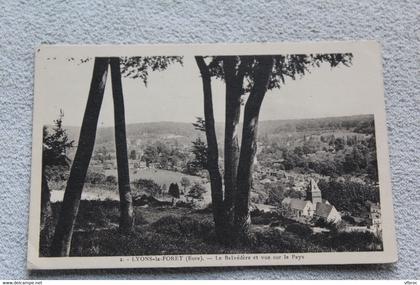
pixel 185 132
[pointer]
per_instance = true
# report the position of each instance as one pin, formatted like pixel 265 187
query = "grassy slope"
pixel 175 230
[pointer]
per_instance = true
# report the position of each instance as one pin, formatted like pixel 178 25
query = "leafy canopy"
pixel 138 67
pixel 291 66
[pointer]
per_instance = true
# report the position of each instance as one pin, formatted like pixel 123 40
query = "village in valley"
pixel 314 181
pixel 158 165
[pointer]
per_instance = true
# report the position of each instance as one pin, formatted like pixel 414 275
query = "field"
pixel 159 176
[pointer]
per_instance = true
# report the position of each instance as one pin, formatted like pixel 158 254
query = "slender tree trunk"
pixel 249 145
pixel 219 213
pixel 126 200
pixel 45 202
pixel 231 147
pixel 46 213
pixel 64 230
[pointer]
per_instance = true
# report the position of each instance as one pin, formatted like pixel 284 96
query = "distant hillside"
pixel 151 130
pixel 358 123
pixel 181 132
pixel 185 132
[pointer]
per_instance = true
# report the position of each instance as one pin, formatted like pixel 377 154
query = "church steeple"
pixel 313 193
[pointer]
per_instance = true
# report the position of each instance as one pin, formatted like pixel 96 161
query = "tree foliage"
pixel 133 154
pixel 166 156
pixel 199 150
pixel 349 195
pixel 197 191
pixel 315 149
pixel 56 144
pixel 139 67
pixel 111 179
pixel 200 124
pixel 291 66
pixel 185 182
pixel 174 190
pixel 148 186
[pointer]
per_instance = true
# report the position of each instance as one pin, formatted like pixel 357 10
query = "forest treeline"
pixel 329 147
pixel 179 130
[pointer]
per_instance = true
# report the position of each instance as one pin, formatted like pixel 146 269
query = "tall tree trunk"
pixel 46 212
pixel 126 200
pixel 219 213
pixel 45 202
pixel 233 111
pixel 249 145
pixel 64 230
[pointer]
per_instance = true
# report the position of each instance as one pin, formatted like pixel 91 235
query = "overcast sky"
pixel 176 94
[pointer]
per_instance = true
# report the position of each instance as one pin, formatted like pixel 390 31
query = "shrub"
pixel 353 241
pixel 183 204
pixel 183 226
pixel 197 191
pixel 275 224
pixel 263 218
pixel 260 220
pixel 349 219
pixel 95 178
pixel 321 222
pixel 94 214
pixel 185 182
pixel 206 210
pixel 299 229
pixel 111 179
pixel 174 190
pixel 273 240
pixel 148 186
pixel 256 212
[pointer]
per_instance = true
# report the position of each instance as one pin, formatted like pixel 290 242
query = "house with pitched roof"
pixel 297 207
pixel 312 206
pixel 327 212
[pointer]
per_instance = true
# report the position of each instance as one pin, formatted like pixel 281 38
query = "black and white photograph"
pixel 209 155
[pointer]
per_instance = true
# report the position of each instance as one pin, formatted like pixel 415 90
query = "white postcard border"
pixel 388 255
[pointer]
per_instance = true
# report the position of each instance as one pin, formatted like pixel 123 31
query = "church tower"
pixel 313 193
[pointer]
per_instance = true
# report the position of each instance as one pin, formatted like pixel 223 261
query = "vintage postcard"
pixel 210 155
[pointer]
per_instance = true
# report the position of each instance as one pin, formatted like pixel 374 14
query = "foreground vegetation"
pixel 183 230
